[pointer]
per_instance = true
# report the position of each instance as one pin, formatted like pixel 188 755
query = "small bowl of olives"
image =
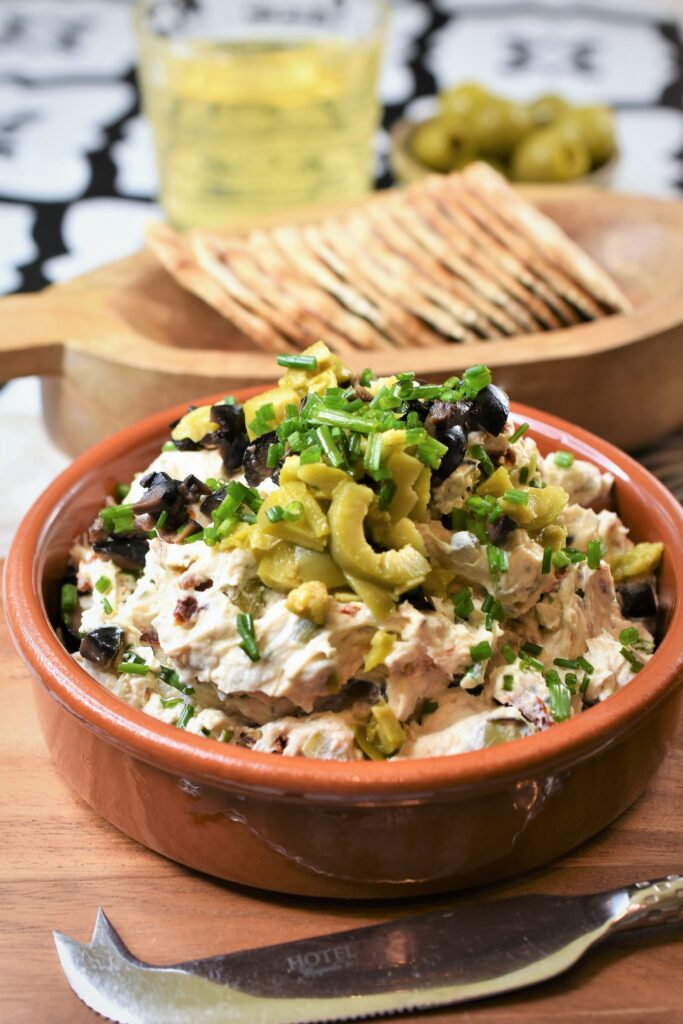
pixel 547 140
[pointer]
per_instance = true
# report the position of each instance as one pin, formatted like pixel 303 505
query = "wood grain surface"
pixel 59 862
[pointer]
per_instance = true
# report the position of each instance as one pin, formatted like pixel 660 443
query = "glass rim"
pixel 139 10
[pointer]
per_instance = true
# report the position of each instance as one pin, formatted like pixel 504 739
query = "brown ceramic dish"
pixel 329 829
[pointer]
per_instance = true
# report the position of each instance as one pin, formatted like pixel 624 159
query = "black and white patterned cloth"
pixel 77 176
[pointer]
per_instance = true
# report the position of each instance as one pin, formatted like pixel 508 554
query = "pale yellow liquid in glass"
pixel 243 129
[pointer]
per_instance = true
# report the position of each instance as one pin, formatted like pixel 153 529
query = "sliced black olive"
pixel 213 500
pixel 193 489
pixel 490 409
pixel 186 445
pixel 231 436
pixel 162 494
pixel 126 552
pixel 455 440
pixel 188 529
pixel 419 599
pixel 443 415
pixel 97 532
pixel 102 645
pixel 255 460
pixel 638 600
pixel 229 417
pixel 501 529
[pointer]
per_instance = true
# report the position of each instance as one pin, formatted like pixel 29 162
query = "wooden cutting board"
pixel 60 862
pixel 126 340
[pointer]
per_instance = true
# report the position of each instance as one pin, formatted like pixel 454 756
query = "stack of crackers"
pixel 456 258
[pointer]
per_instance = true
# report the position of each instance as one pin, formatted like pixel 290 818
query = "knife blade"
pixel 464 952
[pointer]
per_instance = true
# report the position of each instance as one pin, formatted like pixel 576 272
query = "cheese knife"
pixel 468 951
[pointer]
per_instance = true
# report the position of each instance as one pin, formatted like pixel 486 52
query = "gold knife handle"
pixel 653 903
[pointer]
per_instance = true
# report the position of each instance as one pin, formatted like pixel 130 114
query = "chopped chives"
pixel 170 702
pixel 107 606
pixel 560 698
pixel 463 605
pixel 68 598
pixel 386 494
pixel 594 554
pixel 275 513
pixel 245 628
pixel 297 362
pixel 171 678
pixel 517 497
pixel 151 534
pixel 161 521
pixel 428 707
pixel 570 682
pixel 628 636
pixel 508 654
pixel 585 665
pixel 566 662
pixel 497 560
pixel 330 446
pixel 372 459
pixel 481 455
pixel 168 446
pixel 547 561
pixel 533 663
pixel 185 716
pixel 348 421
pixel 313 453
pixel 508 682
pixel 475 379
pixel 561 559
pixel 229 400
pixel 133 668
pixel 294 511
pixel 523 474
pixel 226 735
pixel 530 648
pixel 519 432
pixel 585 683
pixel 458 519
pixel 366 377
pixel 121 491
pixel 275 453
pixel 481 651
pixel 563 459
pixel 635 663
pixel 574 556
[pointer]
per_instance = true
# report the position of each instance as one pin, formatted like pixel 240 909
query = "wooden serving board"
pixel 60 862
pixel 126 340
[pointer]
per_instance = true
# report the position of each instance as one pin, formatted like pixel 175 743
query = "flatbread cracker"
pixel 174 254
pixel 546 235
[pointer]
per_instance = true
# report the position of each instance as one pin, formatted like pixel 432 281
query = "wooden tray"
pixel 126 340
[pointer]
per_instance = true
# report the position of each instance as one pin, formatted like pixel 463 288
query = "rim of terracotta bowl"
pixel 358 781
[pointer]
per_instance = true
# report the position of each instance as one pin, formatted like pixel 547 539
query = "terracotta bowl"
pixel 343 830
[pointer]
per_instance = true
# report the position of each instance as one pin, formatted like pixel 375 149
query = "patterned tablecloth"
pixel 77 178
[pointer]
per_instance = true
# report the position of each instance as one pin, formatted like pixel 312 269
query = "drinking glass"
pixel 257 105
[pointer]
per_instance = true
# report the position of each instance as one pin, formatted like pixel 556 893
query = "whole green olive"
pixel 463 99
pixel 595 127
pixel 441 145
pixel 547 108
pixel 498 126
pixel 546 154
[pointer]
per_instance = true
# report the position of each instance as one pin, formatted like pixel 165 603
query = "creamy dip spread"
pixel 358 567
